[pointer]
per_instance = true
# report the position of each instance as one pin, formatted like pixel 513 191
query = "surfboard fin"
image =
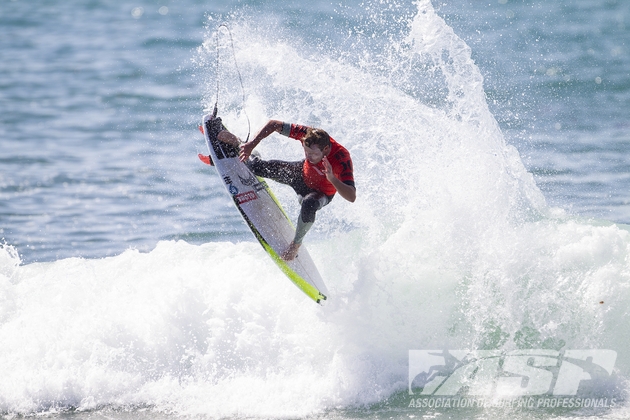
pixel 205 159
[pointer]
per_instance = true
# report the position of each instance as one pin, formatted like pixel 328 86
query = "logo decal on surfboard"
pixel 252 181
pixel 245 197
pixel 249 181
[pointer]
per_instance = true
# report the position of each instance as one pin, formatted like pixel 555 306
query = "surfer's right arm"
pixel 270 127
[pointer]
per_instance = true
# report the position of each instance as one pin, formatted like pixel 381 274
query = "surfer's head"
pixel 316 143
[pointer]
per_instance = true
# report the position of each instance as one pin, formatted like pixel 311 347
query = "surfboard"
pixel 261 211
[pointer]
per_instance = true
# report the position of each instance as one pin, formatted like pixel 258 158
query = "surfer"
pixel 325 170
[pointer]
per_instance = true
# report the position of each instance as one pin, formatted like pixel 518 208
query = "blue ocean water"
pixel 489 142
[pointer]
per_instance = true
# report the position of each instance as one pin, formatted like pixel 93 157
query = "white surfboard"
pixel 262 212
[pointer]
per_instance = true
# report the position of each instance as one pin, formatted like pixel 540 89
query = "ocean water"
pixel 490 145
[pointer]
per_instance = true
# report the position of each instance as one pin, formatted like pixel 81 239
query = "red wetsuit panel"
pixel 314 175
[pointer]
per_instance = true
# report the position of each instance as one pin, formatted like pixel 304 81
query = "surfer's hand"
pixel 328 171
pixel 246 151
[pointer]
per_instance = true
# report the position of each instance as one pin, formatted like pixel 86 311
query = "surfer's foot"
pixel 291 251
pixel 214 126
pixel 229 138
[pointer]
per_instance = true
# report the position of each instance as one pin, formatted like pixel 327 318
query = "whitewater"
pixel 450 245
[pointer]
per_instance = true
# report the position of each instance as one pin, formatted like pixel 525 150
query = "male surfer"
pixel 325 170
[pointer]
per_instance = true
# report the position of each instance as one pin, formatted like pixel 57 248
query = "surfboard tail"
pixel 309 289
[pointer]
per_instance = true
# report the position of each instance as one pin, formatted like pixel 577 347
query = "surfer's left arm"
pixel 346 191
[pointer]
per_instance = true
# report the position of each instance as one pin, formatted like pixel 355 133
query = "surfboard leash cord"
pixel 238 72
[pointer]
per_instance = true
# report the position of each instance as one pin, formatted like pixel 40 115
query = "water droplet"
pixel 137 12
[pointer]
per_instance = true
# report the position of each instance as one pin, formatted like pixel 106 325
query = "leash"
pixel 240 78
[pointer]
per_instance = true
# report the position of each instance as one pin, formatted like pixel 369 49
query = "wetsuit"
pixel 307 180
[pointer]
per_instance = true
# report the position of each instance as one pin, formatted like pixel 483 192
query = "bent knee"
pixel 310 205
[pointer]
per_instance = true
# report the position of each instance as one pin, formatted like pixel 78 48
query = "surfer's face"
pixel 314 154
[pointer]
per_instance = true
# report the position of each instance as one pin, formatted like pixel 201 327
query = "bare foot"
pixel 291 252
pixel 229 138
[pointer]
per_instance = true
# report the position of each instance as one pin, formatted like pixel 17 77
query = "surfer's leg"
pixel 310 204
pixel 278 170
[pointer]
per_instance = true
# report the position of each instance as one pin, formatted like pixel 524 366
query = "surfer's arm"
pixel 270 127
pixel 345 190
